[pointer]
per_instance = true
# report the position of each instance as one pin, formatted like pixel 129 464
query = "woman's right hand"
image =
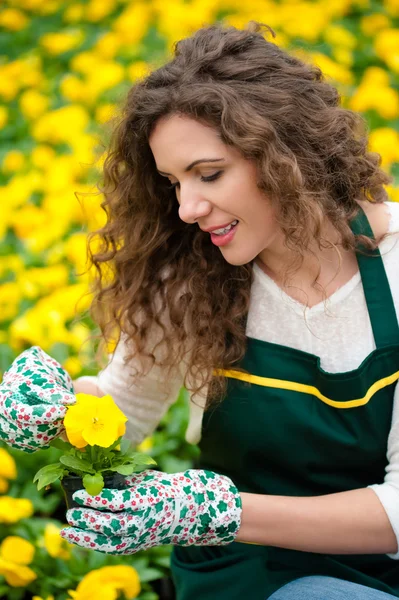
pixel 34 394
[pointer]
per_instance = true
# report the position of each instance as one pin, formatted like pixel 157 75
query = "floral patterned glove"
pixel 33 398
pixel 195 507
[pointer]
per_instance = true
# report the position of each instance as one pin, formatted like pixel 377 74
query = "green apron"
pixel 291 429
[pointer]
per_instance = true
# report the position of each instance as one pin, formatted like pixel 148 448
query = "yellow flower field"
pixel 65 66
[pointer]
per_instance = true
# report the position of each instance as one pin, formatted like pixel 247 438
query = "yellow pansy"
pixel 42 156
pixel 57 43
pixel 96 10
pixel 3 485
pixel 55 545
pixel 61 125
pixel 10 297
pixel 108 45
pixel 337 72
pixel 385 141
pixel 13 510
pixel 73 366
pixel 73 13
pixel 105 112
pixel 8 468
pixel 138 69
pixel 374 92
pixel 94 421
pixel 13 161
pixel 386 44
pixel 146 445
pixel 370 24
pixel 3 116
pixel 72 88
pixel 106 583
pixel 392 7
pixel 33 104
pixel 13 19
pixel 15 554
pixel 132 24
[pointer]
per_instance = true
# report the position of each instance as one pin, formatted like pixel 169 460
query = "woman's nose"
pixel 193 208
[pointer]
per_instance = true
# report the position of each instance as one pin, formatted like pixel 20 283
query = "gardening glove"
pixel 196 507
pixel 34 394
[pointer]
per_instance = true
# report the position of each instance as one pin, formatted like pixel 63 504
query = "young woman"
pixel 251 254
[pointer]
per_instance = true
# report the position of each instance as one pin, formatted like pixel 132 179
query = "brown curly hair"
pixel 155 271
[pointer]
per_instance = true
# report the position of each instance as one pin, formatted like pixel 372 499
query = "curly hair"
pixel 155 271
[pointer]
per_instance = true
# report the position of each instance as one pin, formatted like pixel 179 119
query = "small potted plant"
pixel 94 454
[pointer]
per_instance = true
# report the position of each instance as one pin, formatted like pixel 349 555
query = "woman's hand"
pixel 192 508
pixel 34 394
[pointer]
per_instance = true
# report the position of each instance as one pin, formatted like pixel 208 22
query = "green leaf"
pixel 76 464
pixel 47 475
pixel 150 574
pixel 60 444
pixel 125 446
pixel 142 459
pixel 115 444
pixel 93 484
pixel 127 469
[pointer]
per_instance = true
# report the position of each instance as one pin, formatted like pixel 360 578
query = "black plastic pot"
pixel 71 483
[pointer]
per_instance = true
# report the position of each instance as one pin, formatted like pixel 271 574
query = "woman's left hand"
pixel 196 507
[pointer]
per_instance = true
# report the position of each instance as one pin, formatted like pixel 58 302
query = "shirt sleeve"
pixel 143 400
pixel 388 492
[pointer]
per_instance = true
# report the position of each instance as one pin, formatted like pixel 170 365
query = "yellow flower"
pixel 72 88
pixel 15 554
pixel 138 69
pixel 13 161
pixel 33 104
pixel 3 485
pixel 13 19
pixel 40 598
pixel 146 445
pixel 73 366
pixel 105 112
pixel 10 297
pixel 96 10
pixel 8 468
pixel 385 141
pixel 61 125
pixel 132 24
pixel 84 62
pixel 392 7
pixel 337 35
pixel 57 43
pixel 94 421
pixel 55 545
pixel 370 24
pixel 3 116
pixel 14 509
pixel 108 45
pixel 331 69
pixel 42 156
pixel 107 582
pixel 386 44
pixel 73 13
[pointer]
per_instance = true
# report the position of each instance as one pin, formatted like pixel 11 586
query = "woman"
pixel 254 259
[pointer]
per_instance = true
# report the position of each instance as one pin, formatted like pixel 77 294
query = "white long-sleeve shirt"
pixel 338 331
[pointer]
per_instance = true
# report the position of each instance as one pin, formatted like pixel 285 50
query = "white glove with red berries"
pixel 196 507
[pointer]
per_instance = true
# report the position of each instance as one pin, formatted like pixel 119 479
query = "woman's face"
pixel 217 191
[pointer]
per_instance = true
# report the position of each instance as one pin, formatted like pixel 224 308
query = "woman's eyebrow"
pixel 200 160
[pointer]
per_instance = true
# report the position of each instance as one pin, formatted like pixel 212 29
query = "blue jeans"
pixel 319 587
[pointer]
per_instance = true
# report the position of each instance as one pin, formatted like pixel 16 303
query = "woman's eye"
pixel 206 179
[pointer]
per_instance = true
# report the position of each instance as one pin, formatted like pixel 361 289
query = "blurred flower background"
pixel 65 66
